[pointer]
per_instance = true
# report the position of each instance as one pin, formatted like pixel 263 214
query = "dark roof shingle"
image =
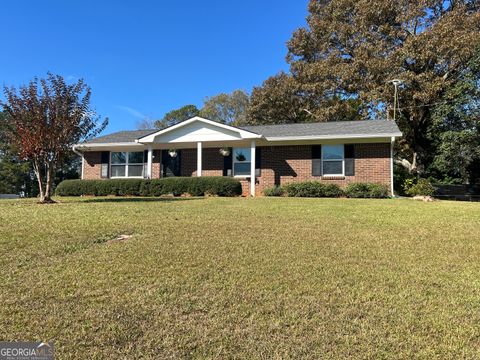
pixel 340 128
pixel 120 137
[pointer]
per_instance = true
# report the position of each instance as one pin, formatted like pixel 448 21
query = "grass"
pixel 242 278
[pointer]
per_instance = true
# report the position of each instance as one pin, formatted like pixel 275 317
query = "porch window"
pixel 333 160
pixel 241 162
pixel 127 164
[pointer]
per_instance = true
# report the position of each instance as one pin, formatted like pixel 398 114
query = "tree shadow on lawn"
pixel 138 199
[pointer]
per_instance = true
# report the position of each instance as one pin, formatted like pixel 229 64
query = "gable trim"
pixel 245 134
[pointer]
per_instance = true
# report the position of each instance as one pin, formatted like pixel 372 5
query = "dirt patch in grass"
pixel 119 238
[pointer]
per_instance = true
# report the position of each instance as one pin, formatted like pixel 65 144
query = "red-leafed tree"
pixel 44 120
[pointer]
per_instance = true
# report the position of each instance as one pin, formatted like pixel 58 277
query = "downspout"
pixel 392 141
pixel 74 149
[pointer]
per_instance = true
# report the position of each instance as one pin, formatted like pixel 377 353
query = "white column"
pixel 149 162
pixel 83 165
pixel 391 165
pixel 199 159
pixel 252 168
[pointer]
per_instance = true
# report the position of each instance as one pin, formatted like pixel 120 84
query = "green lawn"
pixel 242 278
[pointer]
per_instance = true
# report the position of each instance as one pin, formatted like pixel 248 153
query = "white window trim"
pixel 239 162
pixel 331 160
pixel 126 166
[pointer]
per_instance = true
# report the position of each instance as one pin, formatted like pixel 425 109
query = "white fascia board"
pixel 243 133
pixel 102 145
pixel 332 137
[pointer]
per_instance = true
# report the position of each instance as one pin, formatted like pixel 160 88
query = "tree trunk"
pixel 48 186
pixel 412 167
pixel 44 188
pixel 38 174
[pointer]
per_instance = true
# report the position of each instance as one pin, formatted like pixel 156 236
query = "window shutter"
pixel 349 150
pixel 316 160
pixel 163 168
pixel 178 164
pixel 258 162
pixel 227 164
pixel 145 163
pixel 105 164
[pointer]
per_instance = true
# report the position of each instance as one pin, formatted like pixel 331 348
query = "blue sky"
pixel 143 58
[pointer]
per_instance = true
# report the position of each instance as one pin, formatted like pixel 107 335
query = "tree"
pixel 279 100
pixel 13 172
pixel 352 49
pixel 227 108
pixel 178 115
pixel 456 128
pixel 44 120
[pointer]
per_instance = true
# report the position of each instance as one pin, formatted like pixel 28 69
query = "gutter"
pixel 333 137
pixel 74 149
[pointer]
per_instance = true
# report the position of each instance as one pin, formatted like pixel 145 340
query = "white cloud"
pixel 135 113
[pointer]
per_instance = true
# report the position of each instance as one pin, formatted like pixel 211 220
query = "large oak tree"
pixel 342 62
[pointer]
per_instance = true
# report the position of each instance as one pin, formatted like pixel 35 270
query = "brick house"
pixel 259 156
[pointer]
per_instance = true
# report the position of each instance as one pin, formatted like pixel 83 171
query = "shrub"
pixel 312 189
pixel 400 177
pixel 366 190
pixel 422 187
pixel 195 186
pixel 274 191
pixel 118 187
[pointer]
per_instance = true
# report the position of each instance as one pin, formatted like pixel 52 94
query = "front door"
pixel 171 165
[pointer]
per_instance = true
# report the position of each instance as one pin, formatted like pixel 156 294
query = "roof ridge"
pixel 321 122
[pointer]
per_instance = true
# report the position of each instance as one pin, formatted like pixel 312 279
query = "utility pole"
pixel 395 83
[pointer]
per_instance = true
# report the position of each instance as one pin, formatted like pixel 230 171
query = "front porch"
pixel 234 159
pixel 228 151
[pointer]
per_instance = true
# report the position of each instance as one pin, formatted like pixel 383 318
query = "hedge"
pixel 312 189
pixel 366 190
pixel 194 186
pixel 318 189
pixel 306 189
pixel 274 191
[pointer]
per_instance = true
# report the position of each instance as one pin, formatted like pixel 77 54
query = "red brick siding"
pixel 285 164
pixel 156 161
pixel 92 165
pixel 280 165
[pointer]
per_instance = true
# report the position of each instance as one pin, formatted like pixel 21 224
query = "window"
pixel 241 161
pixel 333 160
pixel 127 164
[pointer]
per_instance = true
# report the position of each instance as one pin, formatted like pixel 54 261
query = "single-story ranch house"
pixel 259 156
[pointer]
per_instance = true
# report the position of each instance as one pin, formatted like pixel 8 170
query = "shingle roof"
pixel 120 137
pixel 338 128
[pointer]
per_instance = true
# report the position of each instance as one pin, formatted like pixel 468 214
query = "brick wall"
pixel 156 161
pixel 284 164
pixel 92 165
pixel 280 165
